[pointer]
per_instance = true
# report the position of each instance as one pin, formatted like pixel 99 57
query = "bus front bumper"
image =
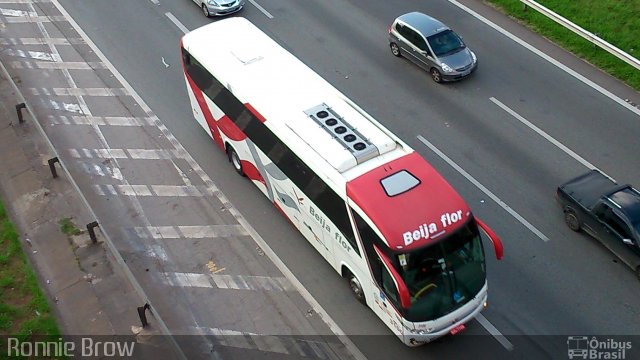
pixel 421 335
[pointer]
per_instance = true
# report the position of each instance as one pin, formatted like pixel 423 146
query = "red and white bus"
pixel 374 208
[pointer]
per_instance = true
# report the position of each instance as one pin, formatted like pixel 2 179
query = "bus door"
pixel 388 296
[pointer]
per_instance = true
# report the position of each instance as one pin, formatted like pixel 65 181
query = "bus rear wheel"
pixel 356 288
pixel 235 160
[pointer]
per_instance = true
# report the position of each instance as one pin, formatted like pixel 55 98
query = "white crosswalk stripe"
pixel 150 190
pixel 190 232
pixel 102 120
pixel 42 41
pixel 233 282
pixel 35 19
pixel 138 154
pixel 80 91
pixel 281 344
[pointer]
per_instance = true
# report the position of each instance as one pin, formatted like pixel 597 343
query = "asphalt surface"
pixel 568 285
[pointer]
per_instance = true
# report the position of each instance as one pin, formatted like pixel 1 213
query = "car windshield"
pixel 444 276
pixel 445 43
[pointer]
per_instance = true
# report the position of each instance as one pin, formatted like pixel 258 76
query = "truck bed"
pixel 586 189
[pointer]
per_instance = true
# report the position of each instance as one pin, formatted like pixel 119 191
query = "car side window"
pixel 402 30
pixel 615 222
pixel 420 42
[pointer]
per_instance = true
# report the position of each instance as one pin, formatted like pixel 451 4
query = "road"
pixel 551 282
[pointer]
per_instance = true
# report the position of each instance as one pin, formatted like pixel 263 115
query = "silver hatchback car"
pixel 431 45
pixel 219 7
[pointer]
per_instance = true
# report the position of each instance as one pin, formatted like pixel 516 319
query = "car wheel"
pixel 395 50
pixel 572 221
pixel 356 289
pixel 205 10
pixel 235 160
pixel 435 75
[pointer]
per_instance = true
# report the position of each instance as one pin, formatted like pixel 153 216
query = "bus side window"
pixel 315 188
pixel 368 237
pixel 276 153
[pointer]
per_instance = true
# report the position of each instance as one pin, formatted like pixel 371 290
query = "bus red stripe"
pixel 205 110
pixel 252 171
pixel 230 129
pixel 255 112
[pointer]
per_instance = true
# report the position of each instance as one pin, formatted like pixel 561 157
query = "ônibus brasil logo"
pixel 583 347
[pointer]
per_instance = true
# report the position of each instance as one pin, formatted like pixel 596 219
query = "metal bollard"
pixel 19 108
pixel 92 233
pixel 52 166
pixel 143 315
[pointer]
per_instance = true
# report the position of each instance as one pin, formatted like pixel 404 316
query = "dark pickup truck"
pixel 605 210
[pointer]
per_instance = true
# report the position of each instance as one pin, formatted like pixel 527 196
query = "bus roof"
pixel 409 213
pixel 257 69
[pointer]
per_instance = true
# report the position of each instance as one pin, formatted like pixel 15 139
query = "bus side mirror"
pixel 497 243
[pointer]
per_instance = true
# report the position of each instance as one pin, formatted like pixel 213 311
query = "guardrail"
pixel 591 37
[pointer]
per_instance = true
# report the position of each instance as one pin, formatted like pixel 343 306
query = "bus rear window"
pixel 398 183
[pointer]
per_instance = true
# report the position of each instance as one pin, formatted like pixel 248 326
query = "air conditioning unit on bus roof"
pixel 342 132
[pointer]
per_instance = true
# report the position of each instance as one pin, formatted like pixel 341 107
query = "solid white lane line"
pixel 263 10
pixel 176 22
pixel 548 137
pixel 482 188
pixel 495 332
pixel 553 61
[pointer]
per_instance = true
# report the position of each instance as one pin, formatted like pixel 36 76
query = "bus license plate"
pixel 457 329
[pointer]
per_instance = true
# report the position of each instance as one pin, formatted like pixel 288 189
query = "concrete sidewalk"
pixel 85 286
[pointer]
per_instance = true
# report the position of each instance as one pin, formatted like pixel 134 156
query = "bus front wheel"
pixel 356 288
pixel 235 160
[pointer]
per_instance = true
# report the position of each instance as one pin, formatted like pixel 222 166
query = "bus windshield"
pixel 444 276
